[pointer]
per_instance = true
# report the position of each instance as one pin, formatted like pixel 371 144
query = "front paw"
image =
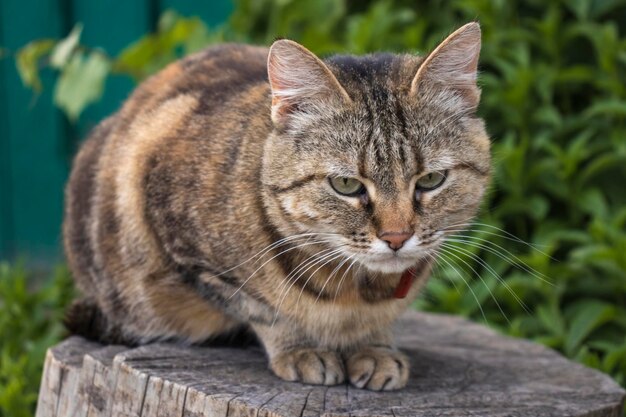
pixel 310 366
pixel 378 369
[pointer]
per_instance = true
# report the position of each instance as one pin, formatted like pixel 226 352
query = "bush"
pixel 30 321
pixel 547 259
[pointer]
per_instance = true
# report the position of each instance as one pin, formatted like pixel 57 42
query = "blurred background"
pixel 546 259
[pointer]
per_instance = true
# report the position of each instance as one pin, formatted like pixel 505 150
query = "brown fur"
pixel 203 206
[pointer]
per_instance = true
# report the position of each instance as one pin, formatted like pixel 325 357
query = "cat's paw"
pixel 310 366
pixel 378 369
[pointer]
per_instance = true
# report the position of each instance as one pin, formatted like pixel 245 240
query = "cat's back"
pixel 213 77
pixel 180 133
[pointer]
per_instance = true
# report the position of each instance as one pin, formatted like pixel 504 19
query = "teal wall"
pixel 36 140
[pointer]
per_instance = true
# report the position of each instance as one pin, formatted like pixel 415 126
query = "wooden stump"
pixel 458 369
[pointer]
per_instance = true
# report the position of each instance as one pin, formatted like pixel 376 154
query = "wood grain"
pixel 458 369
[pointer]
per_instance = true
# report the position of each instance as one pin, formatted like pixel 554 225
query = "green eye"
pixel 430 181
pixel 347 186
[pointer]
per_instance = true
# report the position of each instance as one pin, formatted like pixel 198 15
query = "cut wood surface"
pixel 458 369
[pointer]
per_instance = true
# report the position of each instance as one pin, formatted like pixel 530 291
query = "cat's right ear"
pixel 454 65
pixel 301 83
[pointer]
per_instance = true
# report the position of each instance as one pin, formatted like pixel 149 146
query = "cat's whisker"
pixel 284 283
pixel 449 264
pixel 310 265
pixel 272 258
pixel 492 271
pixel 468 228
pixel 283 241
pixel 502 233
pixel 274 245
pixel 465 239
pixel 309 261
pixel 334 271
pixel 311 275
pixel 461 226
pixel 354 260
pixel 333 253
pixel 306 262
pixel 505 235
pixel 510 236
pixel 434 259
pixel 451 249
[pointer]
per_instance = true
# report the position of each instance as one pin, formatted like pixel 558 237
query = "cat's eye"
pixel 347 186
pixel 430 181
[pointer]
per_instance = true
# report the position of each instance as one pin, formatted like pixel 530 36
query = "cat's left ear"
pixel 301 83
pixel 453 65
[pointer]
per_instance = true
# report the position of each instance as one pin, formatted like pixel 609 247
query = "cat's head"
pixel 376 157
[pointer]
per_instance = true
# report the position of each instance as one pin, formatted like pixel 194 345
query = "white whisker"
pixel 334 271
pixel 452 248
pixel 284 284
pixel 311 275
pixel 279 242
pixel 434 258
pixel 354 260
pixel 442 258
pixel 295 278
pixel 494 273
pixel 519 263
pixel 272 258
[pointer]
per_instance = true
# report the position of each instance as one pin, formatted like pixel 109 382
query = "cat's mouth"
pixel 392 263
pixel 399 261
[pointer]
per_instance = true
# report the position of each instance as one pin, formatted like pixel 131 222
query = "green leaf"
pixel 81 83
pixel 580 8
pixel 600 164
pixel 589 316
pixel 606 108
pixel 27 62
pixel 550 317
pixel 593 201
pixel 154 51
pixel 614 357
pixel 589 358
pixel 63 50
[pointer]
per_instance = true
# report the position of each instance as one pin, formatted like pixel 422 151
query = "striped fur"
pixel 174 202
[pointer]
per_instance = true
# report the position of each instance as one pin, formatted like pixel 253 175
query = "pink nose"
pixel 395 240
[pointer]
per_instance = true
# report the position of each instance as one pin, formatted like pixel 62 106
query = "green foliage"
pixel 553 75
pixel 30 321
pixel 175 37
pixel 63 50
pixel 81 82
pixel 83 70
pixel 27 62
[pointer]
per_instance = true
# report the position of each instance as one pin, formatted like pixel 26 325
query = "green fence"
pixel 36 140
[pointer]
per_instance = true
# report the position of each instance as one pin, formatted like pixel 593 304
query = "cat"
pixel 269 190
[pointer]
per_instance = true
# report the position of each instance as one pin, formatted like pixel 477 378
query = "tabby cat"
pixel 268 190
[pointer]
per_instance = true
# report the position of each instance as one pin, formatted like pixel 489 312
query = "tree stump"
pixel 458 369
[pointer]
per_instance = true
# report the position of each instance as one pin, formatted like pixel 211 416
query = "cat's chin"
pixel 391 265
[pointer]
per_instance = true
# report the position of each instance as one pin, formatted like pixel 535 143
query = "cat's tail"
pixel 85 318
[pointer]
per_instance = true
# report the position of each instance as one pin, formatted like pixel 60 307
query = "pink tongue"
pixel 405 283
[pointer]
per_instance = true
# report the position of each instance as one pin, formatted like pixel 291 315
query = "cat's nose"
pixel 395 240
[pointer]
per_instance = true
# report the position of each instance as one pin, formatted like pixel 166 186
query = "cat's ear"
pixel 301 83
pixel 454 65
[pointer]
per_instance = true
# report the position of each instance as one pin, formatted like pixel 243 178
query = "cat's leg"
pixel 378 365
pixel 294 358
